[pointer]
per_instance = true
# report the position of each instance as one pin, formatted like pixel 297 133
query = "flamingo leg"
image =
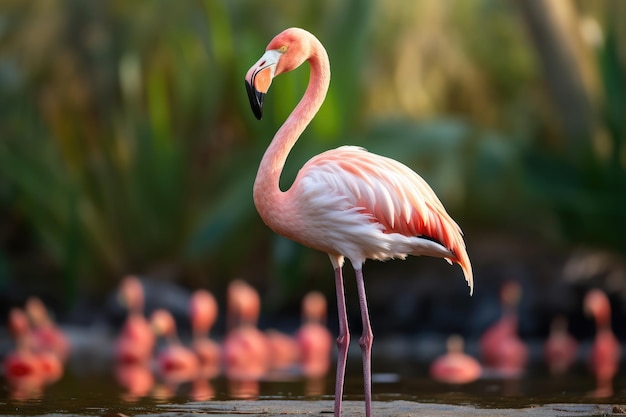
pixel 365 342
pixel 343 340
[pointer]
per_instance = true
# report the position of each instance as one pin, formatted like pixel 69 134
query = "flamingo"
pixel 21 366
pixel 313 337
pixel 203 313
pixel 501 348
pixel 136 340
pixel 28 367
pixel 246 351
pixel 176 363
pixel 346 202
pixel 606 351
pixel 284 350
pixel 47 336
pixel 455 367
pixel 560 348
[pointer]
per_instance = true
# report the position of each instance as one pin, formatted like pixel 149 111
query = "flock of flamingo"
pixel 148 349
pixel 504 354
pixel 245 354
pixel 40 352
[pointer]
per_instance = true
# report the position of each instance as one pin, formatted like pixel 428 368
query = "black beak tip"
pixel 256 100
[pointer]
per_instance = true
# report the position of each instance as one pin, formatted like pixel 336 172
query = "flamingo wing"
pixel 391 195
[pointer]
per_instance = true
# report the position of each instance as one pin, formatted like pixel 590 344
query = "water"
pixel 94 390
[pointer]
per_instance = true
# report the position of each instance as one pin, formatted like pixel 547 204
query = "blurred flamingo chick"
pixel 314 339
pixel 606 351
pixel 502 351
pixel 47 336
pixel 245 348
pixel 560 348
pixel 455 367
pixel 175 362
pixel 203 313
pixel 136 340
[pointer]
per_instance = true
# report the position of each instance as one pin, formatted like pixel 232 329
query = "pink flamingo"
pixel 203 313
pixel 501 348
pixel 176 363
pixel 29 367
pixel 560 348
pixel 245 348
pixel 313 337
pixel 47 336
pixel 346 202
pixel 606 351
pixel 284 351
pixel 21 366
pixel 136 340
pixel 455 367
pixel 47 343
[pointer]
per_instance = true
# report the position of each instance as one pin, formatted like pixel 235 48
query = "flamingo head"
pixel 18 322
pixel 314 307
pixel 37 311
pixel 244 303
pixel 202 310
pixel 287 51
pixel 131 294
pixel 597 305
pixel 163 324
pixel 510 294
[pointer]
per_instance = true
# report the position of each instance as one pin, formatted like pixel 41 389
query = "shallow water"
pixel 87 391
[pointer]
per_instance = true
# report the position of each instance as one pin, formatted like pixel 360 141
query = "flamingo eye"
pixel 282 49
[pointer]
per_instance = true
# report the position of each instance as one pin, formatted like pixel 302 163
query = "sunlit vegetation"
pixel 127 144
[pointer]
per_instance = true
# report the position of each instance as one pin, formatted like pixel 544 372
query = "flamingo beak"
pixel 259 78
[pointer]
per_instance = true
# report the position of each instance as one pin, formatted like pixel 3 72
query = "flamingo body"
pixel 501 348
pixel 455 367
pixel 560 348
pixel 315 344
pixel 346 202
pixel 353 203
pixel 246 354
pixel 283 348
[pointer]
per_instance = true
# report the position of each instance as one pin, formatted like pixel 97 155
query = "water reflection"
pixel 136 380
pixel 142 390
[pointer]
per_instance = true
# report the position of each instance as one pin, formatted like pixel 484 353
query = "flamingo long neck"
pixel 267 193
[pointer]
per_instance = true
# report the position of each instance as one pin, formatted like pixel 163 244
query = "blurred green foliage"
pixel 127 143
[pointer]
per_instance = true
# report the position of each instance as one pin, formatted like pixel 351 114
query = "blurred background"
pixel 127 145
